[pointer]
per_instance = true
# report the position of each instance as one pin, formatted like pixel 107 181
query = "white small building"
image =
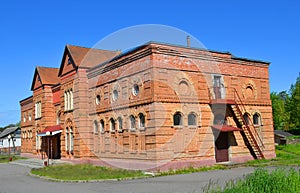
pixel 10 138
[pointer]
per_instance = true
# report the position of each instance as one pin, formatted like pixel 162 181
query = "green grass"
pixel 85 172
pixel 285 155
pixel 5 158
pixel 192 170
pixel 262 180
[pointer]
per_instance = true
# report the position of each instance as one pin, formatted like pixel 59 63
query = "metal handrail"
pixel 230 93
pixel 237 97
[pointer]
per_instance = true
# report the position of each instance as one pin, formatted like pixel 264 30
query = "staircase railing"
pixel 256 138
pixel 229 93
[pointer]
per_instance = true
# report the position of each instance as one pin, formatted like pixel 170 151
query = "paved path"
pixel 14 179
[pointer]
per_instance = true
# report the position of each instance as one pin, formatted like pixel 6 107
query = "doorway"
pixel 55 147
pixel 221 147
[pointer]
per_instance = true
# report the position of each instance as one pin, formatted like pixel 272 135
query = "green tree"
pixel 293 105
pixel 280 115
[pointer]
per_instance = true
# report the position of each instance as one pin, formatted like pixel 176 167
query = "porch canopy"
pixel 225 128
pixel 53 130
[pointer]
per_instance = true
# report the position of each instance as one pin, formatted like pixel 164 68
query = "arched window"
pixel 112 125
pixel 71 100
pixel 98 99
pixel 120 124
pixel 192 119
pixel 96 127
pixel 247 118
pixel 102 129
pixel 132 122
pixel 58 118
pixel 67 139
pixel 141 120
pixel 256 119
pixel 177 119
pixel 115 95
pixel 71 139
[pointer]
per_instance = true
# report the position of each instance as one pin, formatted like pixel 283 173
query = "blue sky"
pixel 35 33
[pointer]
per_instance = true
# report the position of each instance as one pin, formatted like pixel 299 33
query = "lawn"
pixel 5 158
pixel 285 155
pixel 83 172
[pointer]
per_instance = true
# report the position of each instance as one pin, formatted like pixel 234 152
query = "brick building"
pixel 157 105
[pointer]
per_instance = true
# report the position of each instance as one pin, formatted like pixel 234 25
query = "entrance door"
pixel 221 147
pixel 217 87
pixel 56 146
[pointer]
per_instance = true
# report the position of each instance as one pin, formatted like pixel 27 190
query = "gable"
pixel 81 57
pixel 67 64
pixel 36 83
pixel 44 76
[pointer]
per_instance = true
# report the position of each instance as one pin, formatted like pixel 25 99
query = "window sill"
pixel 142 128
pixel 177 126
pixel 132 129
pixel 192 126
pixel 69 111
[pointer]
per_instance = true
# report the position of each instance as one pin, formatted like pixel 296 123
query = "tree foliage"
pixel 286 108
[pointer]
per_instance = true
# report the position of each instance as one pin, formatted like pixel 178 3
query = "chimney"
pixel 188 41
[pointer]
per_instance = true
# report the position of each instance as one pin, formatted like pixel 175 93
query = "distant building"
pixel 10 138
pixel 155 103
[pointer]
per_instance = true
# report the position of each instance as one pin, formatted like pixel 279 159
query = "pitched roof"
pixel 282 133
pixel 47 75
pixel 87 57
pixel 8 131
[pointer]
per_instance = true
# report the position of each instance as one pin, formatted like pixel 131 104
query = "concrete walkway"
pixel 15 179
pixel 36 163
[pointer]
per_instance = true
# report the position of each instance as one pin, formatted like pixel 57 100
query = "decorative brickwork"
pixel 155 105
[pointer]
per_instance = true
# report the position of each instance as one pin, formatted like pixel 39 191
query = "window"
pixel 112 125
pixel 141 120
pixel 192 119
pixel 38 110
pixel 246 118
pixel 132 122
pixel 29 117
pixel 135 89
pixel 177 119
pixel 102 129
pixel 256 119
pixel 58 118
pixel 71 139
pixel 67 139
pixel 96 127
pixel 120 124
pixel 68 100
pixel 24 117
pixel 69 61
pixel 1 142
pixel 115 95
pixel 98 99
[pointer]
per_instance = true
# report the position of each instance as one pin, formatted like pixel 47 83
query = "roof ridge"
pixel 46 67
pixel 93 48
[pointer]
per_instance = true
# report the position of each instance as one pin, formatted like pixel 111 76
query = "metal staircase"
pixel 249 132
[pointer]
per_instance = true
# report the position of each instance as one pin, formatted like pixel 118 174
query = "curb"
pixel 86 181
